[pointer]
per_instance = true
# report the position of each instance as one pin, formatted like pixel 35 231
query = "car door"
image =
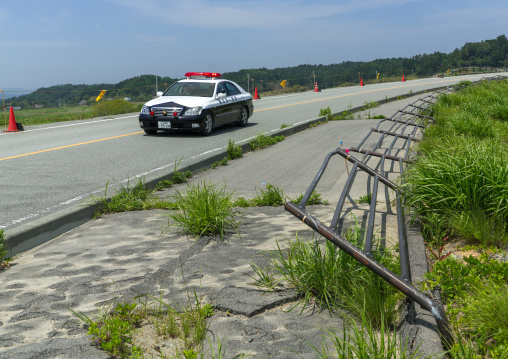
pixel 236 101
pixel 223 110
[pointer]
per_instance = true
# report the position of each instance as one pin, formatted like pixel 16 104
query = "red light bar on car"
pixel 203 74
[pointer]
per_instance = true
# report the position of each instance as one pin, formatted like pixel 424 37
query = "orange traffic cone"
pixel 12 122
pixel 256 96
pixel 361 81
pixel 316 88
pixel 403 78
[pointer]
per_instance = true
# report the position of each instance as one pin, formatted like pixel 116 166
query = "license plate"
pixel 165 124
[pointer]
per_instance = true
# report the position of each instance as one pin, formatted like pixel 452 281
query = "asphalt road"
pixel 47 168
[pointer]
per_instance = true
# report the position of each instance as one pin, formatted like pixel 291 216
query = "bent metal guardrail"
pixel 402 126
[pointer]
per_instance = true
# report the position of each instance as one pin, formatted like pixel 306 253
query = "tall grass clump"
pixel 461 174
pixel 205 210
pixel 335 279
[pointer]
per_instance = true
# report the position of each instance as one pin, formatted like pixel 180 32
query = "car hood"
pixel 181 101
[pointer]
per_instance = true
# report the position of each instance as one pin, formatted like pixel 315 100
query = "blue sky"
pixel 54 42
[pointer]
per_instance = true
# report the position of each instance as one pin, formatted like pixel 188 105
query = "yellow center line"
pixel 68 146
pixel 271 108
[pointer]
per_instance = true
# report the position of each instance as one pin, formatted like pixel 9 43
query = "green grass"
pixel 113 326
pixel 314 199
pixel 365 199
pixel 462 171
pixel 5 261
pixel 262 141
pixel 205 210
pixel 476 293
pixel 271 196
pixel 234 151
pixel 459 188
pixel 363 342
pixel 129 198
pixel 333 278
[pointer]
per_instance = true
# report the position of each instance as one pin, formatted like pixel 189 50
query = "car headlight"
pixel 145 110
pixel 193 111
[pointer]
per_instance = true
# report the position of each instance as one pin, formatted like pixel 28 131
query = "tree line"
pixel 488 53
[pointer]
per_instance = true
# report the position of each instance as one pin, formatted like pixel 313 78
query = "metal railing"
pixel 403 128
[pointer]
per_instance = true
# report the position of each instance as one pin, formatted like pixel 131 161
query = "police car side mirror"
pixel 220 95
pixel 159 93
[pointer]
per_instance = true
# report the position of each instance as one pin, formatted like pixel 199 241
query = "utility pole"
pixel 248 83
pixel 156 85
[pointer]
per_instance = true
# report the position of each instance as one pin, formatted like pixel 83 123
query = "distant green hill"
pixel 489 53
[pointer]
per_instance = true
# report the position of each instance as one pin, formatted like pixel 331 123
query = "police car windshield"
pixel 195 89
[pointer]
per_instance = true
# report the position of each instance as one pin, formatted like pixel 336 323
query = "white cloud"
pixel 205 13
pixel 36 44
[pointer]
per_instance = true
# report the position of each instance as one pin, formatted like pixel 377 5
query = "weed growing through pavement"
pixel 161 185
pixel 4 260
pixel 335 279
pixel 366 198
pixel 364 342
pixel 283 126
pixel 204 210
pixel 180 177
pixel 271 196
pixel 314 199
pixel 114 326
pixel 234 151
pixel 129 198
pixel 262 141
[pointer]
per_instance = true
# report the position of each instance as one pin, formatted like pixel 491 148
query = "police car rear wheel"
pixel 207 125
pixel 244 118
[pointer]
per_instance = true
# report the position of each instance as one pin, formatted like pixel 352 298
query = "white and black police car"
pixel 200 102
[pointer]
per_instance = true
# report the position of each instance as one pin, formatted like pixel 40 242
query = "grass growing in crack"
pixel 364 342
pixel 111 330
pixel 314 199
pixel 180 177
pixel 205 210
pixel 130 198
pixel 365 199
pixel 234 151
pixel 4 260
pixel 114 327
pixel 161 185
pixel 334 278
pixel 272 196
pixel 262 141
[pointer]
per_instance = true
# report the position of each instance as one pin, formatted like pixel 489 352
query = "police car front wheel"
pixel 207 125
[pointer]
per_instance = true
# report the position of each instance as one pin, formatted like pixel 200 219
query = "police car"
pixel 200 102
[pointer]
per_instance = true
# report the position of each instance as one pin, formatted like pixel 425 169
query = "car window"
pixel 196 89
pixel 221 88
pixel 233 90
